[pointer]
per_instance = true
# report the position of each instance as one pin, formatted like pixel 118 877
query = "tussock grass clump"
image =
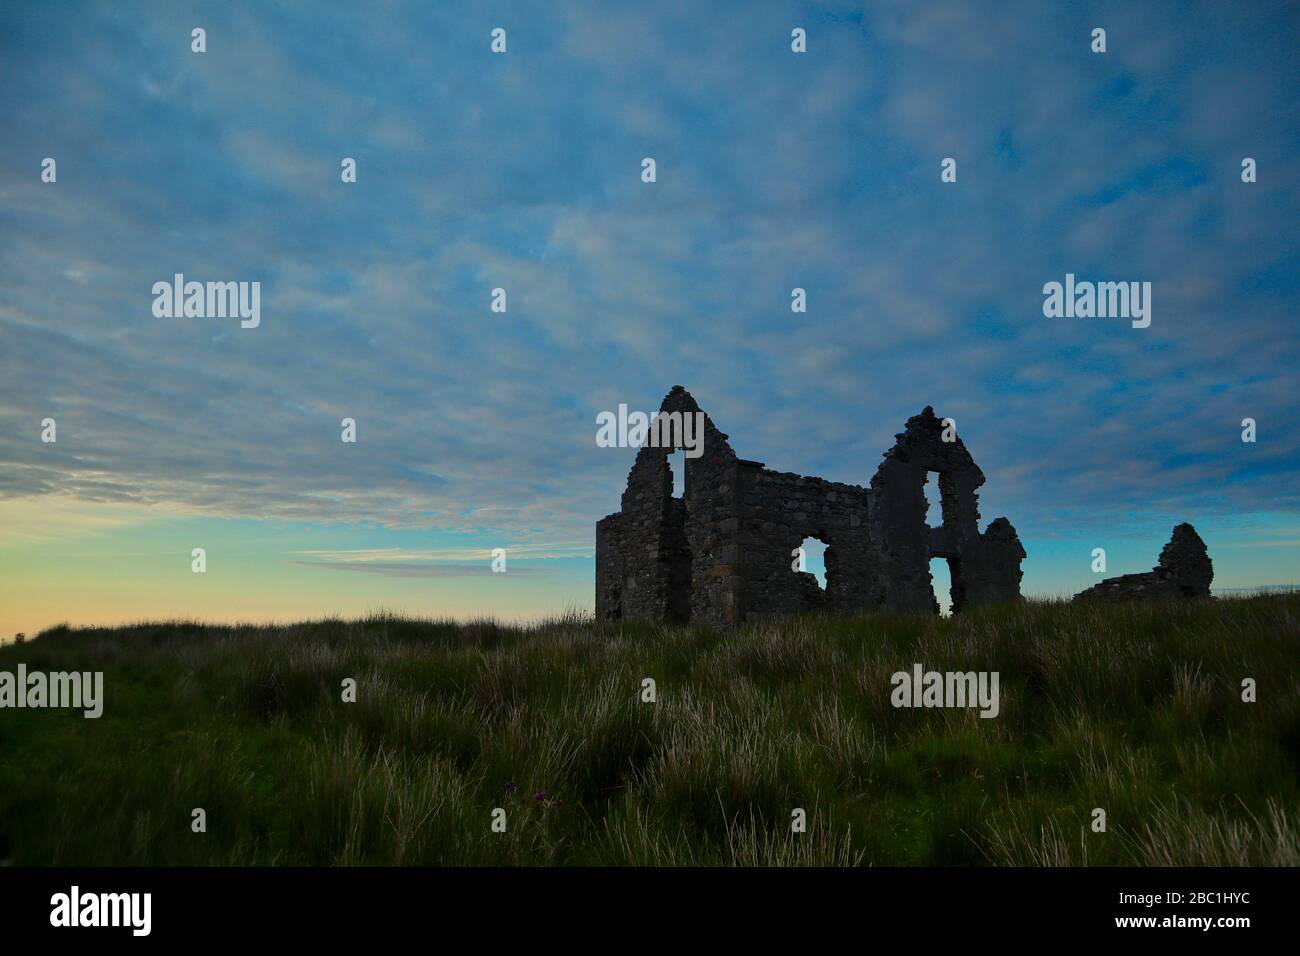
pixel 1135 709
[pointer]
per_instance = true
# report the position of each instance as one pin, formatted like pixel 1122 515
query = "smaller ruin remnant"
pixel 1184 571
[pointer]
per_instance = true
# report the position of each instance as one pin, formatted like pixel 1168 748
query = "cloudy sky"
pixel 522 171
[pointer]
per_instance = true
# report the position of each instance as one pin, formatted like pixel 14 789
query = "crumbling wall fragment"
pixel 985 569
pixel 1183 571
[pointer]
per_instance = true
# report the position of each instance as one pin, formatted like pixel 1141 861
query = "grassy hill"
pixel 1135 709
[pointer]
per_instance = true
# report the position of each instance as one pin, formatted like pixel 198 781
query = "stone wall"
pixel 664 558
pixel 778 511
pixel 902 528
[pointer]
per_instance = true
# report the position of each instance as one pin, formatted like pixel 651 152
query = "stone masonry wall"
pixel 778 511
pixel 985 569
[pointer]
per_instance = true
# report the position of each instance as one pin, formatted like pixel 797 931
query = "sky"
pixel 522 170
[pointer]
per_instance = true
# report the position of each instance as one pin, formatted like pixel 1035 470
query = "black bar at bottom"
pixel 540 906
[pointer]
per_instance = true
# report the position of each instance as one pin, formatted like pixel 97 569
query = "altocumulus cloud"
pixel 522 172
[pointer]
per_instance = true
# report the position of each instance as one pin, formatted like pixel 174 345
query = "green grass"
pixel 1136 709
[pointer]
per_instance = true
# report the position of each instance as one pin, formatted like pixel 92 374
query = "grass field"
pixel 1135 709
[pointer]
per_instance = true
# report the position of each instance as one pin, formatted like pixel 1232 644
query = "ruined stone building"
pixel 722 552
pixel 1184 570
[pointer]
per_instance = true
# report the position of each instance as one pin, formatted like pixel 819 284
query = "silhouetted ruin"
pixel 724 551
pixel 1183 571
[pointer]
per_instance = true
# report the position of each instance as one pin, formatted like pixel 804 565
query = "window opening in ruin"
pixel 941 581
pixel 677 465
pixel 934 515
pixel 814 554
